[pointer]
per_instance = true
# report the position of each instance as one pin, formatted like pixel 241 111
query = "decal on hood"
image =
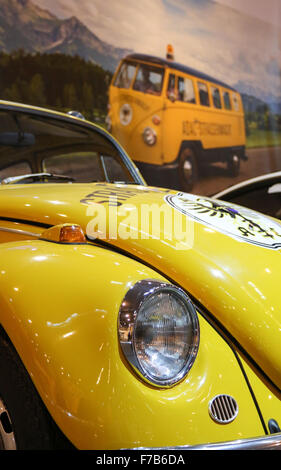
pixel 116 194
pixel 238 222
pixel 125 114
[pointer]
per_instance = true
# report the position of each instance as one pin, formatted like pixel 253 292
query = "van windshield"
pixel 149 79
pixel 125 75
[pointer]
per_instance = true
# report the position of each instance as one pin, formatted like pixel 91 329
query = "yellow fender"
pixel 59 306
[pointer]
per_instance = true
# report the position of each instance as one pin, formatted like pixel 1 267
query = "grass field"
pixel 260 138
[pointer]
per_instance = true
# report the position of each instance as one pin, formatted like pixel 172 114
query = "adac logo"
pixel 237 222
pixel 126 114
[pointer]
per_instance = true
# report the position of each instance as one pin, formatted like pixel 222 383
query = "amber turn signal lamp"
pixel 156 120
pixel 65 233
pixel 170 52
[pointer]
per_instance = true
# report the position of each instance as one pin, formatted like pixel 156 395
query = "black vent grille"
pixel 223 409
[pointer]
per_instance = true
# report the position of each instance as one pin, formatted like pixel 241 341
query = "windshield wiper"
pixel 18 179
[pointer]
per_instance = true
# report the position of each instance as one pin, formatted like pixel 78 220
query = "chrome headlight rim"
pixel 134 299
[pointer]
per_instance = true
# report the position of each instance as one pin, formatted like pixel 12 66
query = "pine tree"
pixel 70 99
pixel 37 91
pixel 87 97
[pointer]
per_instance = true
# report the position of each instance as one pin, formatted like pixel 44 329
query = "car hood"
pixel 225 256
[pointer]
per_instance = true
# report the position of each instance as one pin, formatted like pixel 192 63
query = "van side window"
pixel 203 94
pixel 186 90
pixel 226 100
pixel 235 101
pixel 216 97
pixel 125 75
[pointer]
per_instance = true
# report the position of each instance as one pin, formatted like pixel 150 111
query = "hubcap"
pixel 7 437
pixel 187 169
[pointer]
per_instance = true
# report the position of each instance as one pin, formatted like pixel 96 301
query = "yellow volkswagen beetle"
pixel 131 316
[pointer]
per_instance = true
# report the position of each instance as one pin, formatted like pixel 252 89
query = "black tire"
pixel 233 165
pixel 23 417
pixel 188 169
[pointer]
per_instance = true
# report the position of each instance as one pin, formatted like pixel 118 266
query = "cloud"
pixel 274 68
pixel 269 10
pixel 206 35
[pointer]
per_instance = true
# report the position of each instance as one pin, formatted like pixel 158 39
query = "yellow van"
pixel 172 119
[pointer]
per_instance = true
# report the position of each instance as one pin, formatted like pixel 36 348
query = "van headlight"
pixel 149 136
pixel 158 332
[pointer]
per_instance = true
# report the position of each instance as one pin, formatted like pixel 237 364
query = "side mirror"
pixel 76 114
pixel 171 95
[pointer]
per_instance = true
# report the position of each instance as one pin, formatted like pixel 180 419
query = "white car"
pixel 262 194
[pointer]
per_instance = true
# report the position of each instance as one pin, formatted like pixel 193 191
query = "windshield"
pixel 149 79
pixel 141 77
pixel 36 144
pixel 125 75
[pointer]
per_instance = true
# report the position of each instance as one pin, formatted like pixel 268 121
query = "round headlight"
pixel 158 331
pixel 149 136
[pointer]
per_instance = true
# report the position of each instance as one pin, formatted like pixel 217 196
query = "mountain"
pixel 275 107
pixel 24 25
pixel 251 103
pixel 257 97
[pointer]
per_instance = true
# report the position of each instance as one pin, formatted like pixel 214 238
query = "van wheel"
pixel 24 421
pixel 233 165
pixel 188 170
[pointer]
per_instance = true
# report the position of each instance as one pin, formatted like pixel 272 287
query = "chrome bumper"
pixel 270 442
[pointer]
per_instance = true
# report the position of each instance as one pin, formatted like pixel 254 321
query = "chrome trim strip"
pixel 19 232
pixel 271 442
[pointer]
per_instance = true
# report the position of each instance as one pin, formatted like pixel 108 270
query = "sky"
pixel 234 45
pixel 266 10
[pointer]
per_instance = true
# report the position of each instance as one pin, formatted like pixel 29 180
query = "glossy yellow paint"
pixel 267 396
pixel 177 122
pixel 12 231
pixel 240 290
pixel 59 305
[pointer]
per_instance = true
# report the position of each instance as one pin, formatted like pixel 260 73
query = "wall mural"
pixel 211 113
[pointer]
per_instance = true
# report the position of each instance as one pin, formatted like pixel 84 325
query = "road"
pixel 214 178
